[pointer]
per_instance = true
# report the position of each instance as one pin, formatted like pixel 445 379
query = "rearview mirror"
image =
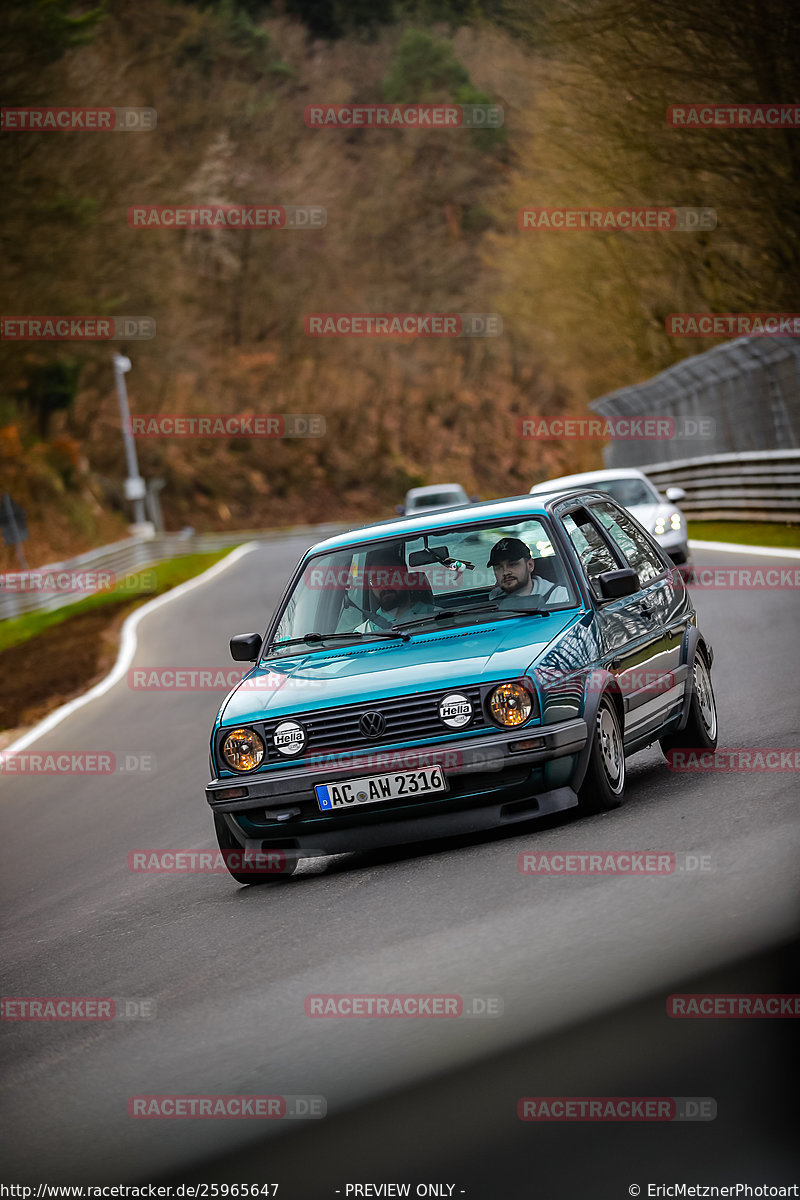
pixel 614 584
pixel 246 647
pixel 675 494
pixel 424 558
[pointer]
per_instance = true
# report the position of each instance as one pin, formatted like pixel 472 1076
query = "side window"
pixel 594 554
pixel 637 550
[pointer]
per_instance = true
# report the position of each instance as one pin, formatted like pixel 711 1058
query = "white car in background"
pixel 434 498
pixel 632 489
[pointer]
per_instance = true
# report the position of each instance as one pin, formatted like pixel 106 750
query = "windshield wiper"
pixel 311 638
pixel 526 612
pixel 468 611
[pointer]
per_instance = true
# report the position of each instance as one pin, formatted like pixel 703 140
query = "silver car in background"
pixel 632 489
pixel 433 498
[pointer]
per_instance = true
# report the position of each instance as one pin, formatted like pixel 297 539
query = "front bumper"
pixel 676 545
pixel 492 783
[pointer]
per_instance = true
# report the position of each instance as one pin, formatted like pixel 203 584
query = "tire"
pixel 228 842
pixel 604 783
pixel 701 728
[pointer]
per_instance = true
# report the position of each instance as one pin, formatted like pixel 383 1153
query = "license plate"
pixel 372 789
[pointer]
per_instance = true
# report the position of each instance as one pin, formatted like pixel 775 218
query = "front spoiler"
pixel 407 829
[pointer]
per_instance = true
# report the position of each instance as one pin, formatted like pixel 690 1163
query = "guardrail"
pixel 746 391
pixel 754 485
pixel 120 559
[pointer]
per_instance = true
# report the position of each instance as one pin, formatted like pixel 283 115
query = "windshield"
pixel 422 582
pixel 436 499
pixel 627 492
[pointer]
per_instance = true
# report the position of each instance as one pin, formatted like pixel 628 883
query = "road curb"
pixel 743 548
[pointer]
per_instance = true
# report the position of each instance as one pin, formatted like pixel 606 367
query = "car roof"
pixel 509 507
pixel 434 489
pixel 586 477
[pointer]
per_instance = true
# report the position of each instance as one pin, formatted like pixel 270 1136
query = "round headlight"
pixel 243 749
pixel 510 704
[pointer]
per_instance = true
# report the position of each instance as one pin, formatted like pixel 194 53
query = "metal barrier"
pixel 119 560
pixel 755 486
pixel 747 391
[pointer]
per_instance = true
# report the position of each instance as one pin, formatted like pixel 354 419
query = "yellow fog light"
pixel 243 749
pixel 510 704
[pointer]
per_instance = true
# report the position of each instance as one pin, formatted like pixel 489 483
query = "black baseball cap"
pixel 508 550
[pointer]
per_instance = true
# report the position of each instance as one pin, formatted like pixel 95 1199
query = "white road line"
pixel 127 649
pixel 740 548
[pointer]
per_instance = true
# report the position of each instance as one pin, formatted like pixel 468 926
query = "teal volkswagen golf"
pixel 471 669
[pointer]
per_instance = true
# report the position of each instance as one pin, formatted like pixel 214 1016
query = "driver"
pixel 398 594
pixel 514 570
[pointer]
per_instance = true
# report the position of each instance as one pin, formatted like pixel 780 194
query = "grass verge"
pixel 49 658
pixel 133 590
pixel 751 533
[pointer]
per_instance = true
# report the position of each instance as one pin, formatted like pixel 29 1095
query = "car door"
pixel 662 602
pixel 631 640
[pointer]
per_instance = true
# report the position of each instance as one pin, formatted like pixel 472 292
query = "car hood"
pixel 646 514
pixel 377 670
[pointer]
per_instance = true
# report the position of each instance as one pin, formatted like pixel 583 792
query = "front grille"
pixel 407 718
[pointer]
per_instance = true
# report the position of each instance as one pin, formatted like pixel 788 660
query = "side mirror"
pixel 675 494
pixel 614 584
pixel 400 508
pixel 246 647
pixel 474 499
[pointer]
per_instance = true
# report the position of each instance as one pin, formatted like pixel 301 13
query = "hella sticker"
pixel 289 738
pixel 455 710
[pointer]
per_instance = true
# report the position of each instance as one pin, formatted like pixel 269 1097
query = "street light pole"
pixel 134 485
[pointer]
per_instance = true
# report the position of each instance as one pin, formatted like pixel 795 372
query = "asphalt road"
pixel 229 967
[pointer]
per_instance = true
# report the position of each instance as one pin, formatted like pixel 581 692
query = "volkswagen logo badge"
pixel 372 724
